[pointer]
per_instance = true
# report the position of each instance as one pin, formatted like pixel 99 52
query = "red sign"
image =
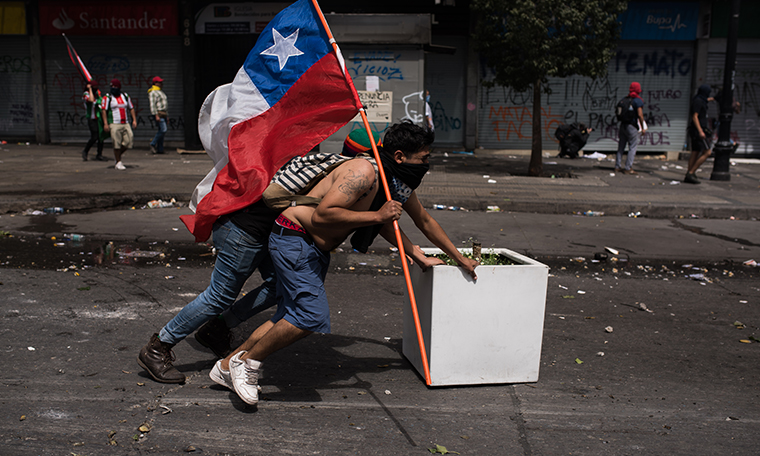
pixel 86 17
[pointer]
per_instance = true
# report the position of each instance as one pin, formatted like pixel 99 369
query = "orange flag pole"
pixel 402 253
pixel 397 230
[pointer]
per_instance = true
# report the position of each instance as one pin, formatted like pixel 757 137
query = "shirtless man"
pixel 303 236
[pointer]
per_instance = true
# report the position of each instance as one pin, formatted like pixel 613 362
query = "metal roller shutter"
pixel 664 70
pixel 445 80
pixel 745 126
pixel 134 61
pixel 16 110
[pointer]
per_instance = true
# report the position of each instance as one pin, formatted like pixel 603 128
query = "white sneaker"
pixel 245 378
pixel 221 376
pixel 119 165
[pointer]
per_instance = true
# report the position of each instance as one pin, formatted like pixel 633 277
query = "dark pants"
pixel 94 137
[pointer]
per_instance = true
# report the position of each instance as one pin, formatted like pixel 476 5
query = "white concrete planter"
pixel 487 331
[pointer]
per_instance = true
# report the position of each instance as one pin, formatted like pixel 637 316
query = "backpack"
pixel 624 111
pixel 291 183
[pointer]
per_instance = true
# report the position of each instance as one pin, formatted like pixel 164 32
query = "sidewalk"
pixel 40 176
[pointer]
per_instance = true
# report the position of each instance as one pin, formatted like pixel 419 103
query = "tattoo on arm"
pixel 369 190
pixel 353 184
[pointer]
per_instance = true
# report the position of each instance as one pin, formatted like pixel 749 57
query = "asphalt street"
pixel 652 351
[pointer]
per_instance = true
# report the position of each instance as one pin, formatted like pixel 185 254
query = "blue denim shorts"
pixel 301 269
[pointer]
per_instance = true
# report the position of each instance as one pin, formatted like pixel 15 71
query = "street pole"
pixel 724 148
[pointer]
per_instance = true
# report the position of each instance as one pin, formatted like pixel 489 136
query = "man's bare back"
pixel 346 194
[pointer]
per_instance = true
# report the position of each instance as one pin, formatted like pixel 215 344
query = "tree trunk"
pixel 535 168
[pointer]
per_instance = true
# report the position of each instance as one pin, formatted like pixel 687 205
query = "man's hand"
pixel 702 134
pixel 134 123
pixel 424 261
pixel 430 261
pixel 468 264
pixel 106 127
pixel 390 211
pixel 158 117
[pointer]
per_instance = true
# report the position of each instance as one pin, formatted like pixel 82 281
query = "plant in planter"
pixel 484 331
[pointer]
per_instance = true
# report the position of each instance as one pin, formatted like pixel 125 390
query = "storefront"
pixel 656 50
pixel 132 41
pixel 16 111
pixel 745 125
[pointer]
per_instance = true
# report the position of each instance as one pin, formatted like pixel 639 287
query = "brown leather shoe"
pixel 629 171
pixel 156 358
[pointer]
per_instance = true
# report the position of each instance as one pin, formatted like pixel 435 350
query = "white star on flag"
pixel 283 48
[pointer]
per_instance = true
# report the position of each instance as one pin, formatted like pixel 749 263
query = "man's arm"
pixel 695 120
pixel 433 231
pixel 640 113
pixel 352 180
pixel 134 118
pixel 104 115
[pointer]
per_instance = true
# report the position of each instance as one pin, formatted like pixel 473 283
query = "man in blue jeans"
pixel 241 241
pixel 159 108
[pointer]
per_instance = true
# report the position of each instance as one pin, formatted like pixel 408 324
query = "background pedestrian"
pixel 115 106
pixel 701 135
pixel 631 117
pixel 159 109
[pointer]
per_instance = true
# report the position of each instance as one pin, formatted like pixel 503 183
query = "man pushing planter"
pixel 302 237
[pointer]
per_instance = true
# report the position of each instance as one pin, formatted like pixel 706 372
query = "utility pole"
pixel 724 148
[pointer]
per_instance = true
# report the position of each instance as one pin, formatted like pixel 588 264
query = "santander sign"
pixel 93 18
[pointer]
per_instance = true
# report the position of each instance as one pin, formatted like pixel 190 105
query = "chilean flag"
pixel 76 60
pixel 291 93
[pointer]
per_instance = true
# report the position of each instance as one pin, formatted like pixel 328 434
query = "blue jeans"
pixel 628 134
pixel 158 140
pixel 238 255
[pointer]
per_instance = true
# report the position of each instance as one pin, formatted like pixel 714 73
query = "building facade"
pixel 395 51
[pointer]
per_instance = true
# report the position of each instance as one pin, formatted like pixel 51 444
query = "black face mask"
pixel 409 173
pixel 115 91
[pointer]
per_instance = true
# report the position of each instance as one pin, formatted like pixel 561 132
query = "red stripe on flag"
pixel 315 107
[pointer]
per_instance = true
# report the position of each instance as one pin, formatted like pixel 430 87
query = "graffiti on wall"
pixel 17 112
pixel 665 75
pixel 13 64
pixel 383 64
pixel 441 121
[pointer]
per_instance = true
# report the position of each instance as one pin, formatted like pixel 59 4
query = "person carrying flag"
pixel 303 236
pixel 92 99
pixel 114 110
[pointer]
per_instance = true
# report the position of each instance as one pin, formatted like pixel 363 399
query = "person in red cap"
pixel 159 109
pixel 631 125
pixel 115 106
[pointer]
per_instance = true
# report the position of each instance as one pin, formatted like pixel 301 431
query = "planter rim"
pixel 512 255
